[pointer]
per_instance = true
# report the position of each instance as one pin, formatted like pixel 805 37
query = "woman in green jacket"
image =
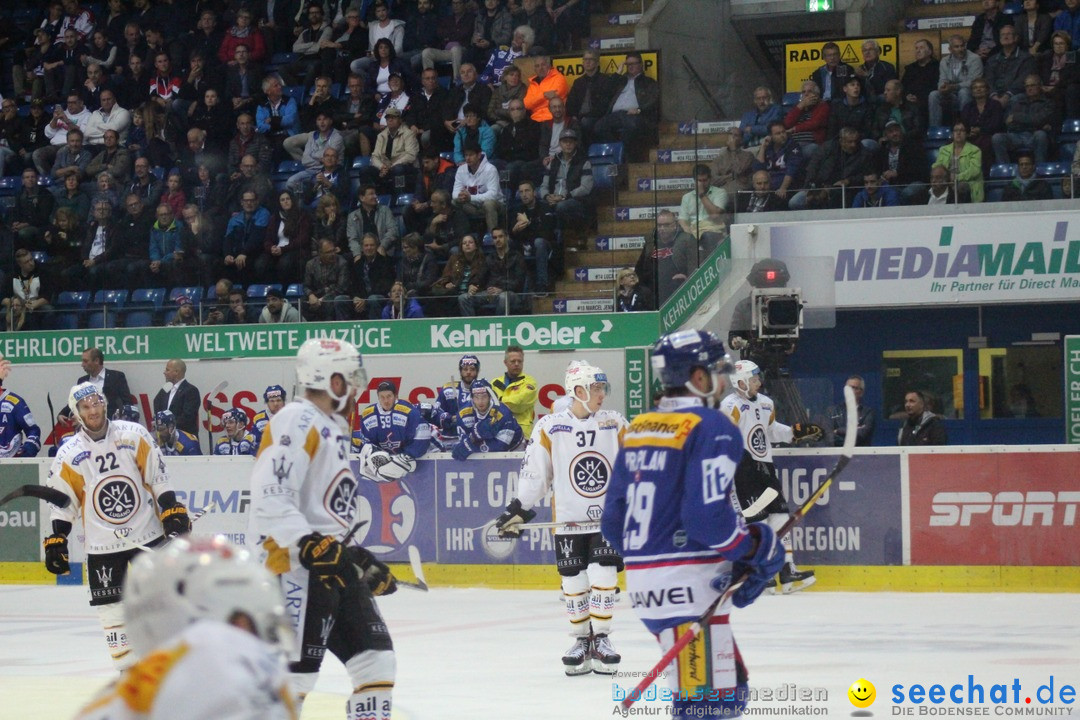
pixel 963 160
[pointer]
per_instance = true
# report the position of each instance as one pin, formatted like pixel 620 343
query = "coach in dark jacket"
pixel 113 383
pixel 181 397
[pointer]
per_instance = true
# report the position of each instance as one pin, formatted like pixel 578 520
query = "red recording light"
pixel 770 275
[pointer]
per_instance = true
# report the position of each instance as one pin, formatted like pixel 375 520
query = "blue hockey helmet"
pixel 674 357
pixel 469 360
pixel 234 415
pixel 164 419
pixel 483 387
pixel 274 391
pixel 128 412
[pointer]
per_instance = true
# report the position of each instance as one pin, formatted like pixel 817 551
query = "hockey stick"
pixel 209 417
pixel 761 503
pixel 41 492
pixel 418 571
pixel 695 627
pixel 52 419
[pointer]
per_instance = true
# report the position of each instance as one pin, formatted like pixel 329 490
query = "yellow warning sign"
pixel 803 58
pixel 610 62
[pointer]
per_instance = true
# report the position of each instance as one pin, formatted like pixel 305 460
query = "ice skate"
pixel 576 659
pixel 792 580
pixel 605 661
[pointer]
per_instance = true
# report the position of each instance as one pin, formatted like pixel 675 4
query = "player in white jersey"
pixel 207 623
pixel 114 476
pixel 571 453
pixel 755 415
pixel 303 499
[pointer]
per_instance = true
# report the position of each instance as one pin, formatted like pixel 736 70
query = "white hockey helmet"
pixel 581 374
pixel 741 378
pixel 193 579
pixel 320 359
pixel 81 392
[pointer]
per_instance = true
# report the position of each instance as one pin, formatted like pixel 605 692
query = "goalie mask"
pixel 194 579
pixel 591 378
pixel 88 394
pixel 317 362
pixel 746 379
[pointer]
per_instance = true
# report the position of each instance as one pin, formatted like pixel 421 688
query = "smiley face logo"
pixel 862 693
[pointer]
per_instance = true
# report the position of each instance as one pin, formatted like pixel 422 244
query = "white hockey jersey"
pixel 114 484
pixel 573 458
pixel 209 670
pixel 756 420
pixel 302 482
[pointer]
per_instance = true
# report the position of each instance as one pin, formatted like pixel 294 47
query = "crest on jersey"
pixel 116 500
pixel 589 474
pixel 340 498
pixel 104 576
pixel 282 468
pixel 756 441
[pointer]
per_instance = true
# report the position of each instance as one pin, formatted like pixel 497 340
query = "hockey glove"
pixel 323 556
pixel 56 554
pixel 175 521
pixel 372 571
pixel 463 449
pixel 762 565
pixel 806 432
pixel 507 523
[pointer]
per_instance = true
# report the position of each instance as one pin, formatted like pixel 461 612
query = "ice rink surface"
pixel 479 654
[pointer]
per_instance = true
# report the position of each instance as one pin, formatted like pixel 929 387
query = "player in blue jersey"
pixel 455 395
pixel 672 511
pixel 20 435
pixel 171 440
pixel 236 440
pixel 485 425
pixel 391 436
pixel 274 397
pixel 129 412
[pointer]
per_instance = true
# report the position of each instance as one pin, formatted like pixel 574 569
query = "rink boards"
pixel 958 518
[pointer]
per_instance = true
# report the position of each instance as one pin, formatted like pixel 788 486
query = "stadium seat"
pixel 44 181
pixel 1066 151
pixel 159 172
pixel 283 58
pixel 1013 8
pixel 402 201
pixel 289 167
pixel 1003 171
pixel 144 298
pixel 194 293
pixel 296 92
pixel 139 318
pixel 73 299
pixel 1052 170
pixel 294 291
pixel 10 185
pixel 791 99
pixel 40 256
pixel 447 156
pixel 1070 131
pixel 113 299
pixel 360 162
pixel 606 153
pixel 604 176
pixel 386 200
pixel 101 319
pixel 937 135
pixel 257 291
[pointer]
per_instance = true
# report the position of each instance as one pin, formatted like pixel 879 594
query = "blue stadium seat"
pixel 44 181
pixel 604 176
pixel 1066 151
pixel 1013 8
pixel 283 58
pixel 296 92
pixel 159 172
pixel 447 156
pixel 114 299
pixel 606 153
pixel 66 321
pixel 937 135
pixel 139 318
pixel 1070 131
pixel 73 299
pixel 1003 171
pixel 444 80
pixel 791 99
pixel 195 293
pixel 101 319
pixel 23 111
pixel 40 256
pixel 257 291
pixel 10 185
pixel 931 156
pixel 289 167
pixel 1052 170
pixel 148 298
pixel 294 291
pixel 386 200
pixel 360 162
pixel 403 200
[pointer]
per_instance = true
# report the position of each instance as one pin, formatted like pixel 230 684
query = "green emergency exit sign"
pixel 818 5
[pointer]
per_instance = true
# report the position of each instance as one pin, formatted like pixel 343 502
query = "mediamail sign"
pixel 578 332
pixel 1000 258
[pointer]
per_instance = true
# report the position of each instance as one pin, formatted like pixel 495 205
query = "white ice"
pixel 477 654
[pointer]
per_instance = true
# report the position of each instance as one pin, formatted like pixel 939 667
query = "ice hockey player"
pixel 207 624
pixel 129 412
pixel 115 477
pixel 20 435
pixel 391 436
pixel 274 396
pixel 570 454
pixel 303 498
pixel 755 416
pixel 236 440
pixel 455 395
pixel 485 424
pixel 672 511
pixel 171 440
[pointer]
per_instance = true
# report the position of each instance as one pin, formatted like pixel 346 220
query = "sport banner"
pixel 610 63
pixel 20 519
pixel 857 521
pixel 1072 389
pixel 1017 508
pixel 801 59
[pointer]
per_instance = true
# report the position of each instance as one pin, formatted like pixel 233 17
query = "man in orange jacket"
pixel 546 84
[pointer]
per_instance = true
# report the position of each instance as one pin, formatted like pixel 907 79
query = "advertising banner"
pixel 1016 509
pixel 857 521
pixel 999 258
pixel 1072 389
pixel 801 59
pixel 611 63
pixel 697 288
pixel 20 519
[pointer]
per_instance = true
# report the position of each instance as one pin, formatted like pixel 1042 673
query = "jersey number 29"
pixel 639 501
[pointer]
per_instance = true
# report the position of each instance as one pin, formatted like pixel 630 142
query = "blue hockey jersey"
pixel 401 430
pixel 244 446
pixel 496 431
pixel 258 424
pixel 184 444
pixel 20 435
pixel 671 509
pixel 453 398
